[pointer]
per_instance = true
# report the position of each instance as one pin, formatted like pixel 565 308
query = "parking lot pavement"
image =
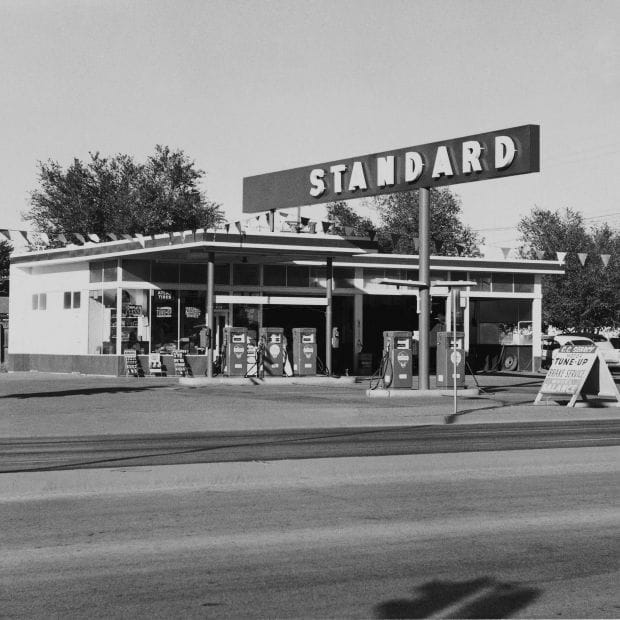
pixel 45 404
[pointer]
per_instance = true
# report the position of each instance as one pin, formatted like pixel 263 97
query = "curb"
pixel 414 394
pixel 271 381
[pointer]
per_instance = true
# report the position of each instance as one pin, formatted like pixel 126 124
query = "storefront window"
pixel 193 274
pixel 317 277
pixel 246 315
pixel 103 271
pixel 297 276
pixel 164 318
pixel 502 282
pixel 136 270
pixel 344 277
pixel 245 274
pixel 274 275
pixel 135 321
pixel 165 272
pixel 102 322
pixel 222 274
pixel 524 283
pixel 192 319
pixel 483 282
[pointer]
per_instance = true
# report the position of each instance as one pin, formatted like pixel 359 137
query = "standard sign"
pixel 503 153
pixel 578 371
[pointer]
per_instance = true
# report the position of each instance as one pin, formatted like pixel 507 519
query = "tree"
pixel 587 297
pixel 118 195
pixel 343 218
pixel 5 255
pixel 448 235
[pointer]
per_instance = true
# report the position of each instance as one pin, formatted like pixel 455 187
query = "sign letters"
pixel 507 152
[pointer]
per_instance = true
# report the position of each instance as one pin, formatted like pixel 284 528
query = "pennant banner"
pixel 506 251
pixel 582 257
pixel 326 226
pixel 540 254
pixel 561 256
pixel 372 234
pixel 605 258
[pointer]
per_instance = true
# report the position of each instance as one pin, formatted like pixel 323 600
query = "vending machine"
pixel 273 349
pixel 235 351
pixel 397 353
pixel 304 351
pixel 450 359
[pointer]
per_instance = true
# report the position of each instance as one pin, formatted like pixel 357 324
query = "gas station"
pixel 278 302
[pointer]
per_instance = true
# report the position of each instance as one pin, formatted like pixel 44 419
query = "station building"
pixel 78 308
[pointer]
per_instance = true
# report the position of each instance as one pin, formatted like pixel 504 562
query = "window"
pixel 222 274
pixel 136 270
pixel 103 271
pixel 245 274
pixel 344 277
pixel 71 300
pixel 134 323
pixel 193 274
pixel 502 282
pixel 297 276
pixel 524 283
pixel 164 316
pixel 102 321
pixel 274 275
pixel 165 272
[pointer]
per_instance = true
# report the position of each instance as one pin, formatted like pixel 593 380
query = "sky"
pixel 248 87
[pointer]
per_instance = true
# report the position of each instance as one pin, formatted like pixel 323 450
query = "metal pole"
pixel 329 274
pixel 211 340
pixel 425 293
pixel 454 294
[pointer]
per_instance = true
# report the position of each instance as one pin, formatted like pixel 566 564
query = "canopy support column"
pixel 210 297
pixel 425 291
pixel 329 275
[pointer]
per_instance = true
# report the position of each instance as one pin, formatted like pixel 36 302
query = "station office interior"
pixel 78 308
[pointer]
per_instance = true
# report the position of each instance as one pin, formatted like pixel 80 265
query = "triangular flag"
pixel 45 238
pixel 582 257
pixel 372 234
pixel 112 236
pixel 80 238
pixel 540 254
pixel 459 248
pixel 239 227
pixel 5 233
pixel 605 258
pixel 227 227
pixel 282 214
pixel 348 231
pixel 561 256
pixel 94 237
pixel 326 226
pixel 304 221
pixel 506 251
pixel 416 243
pixel 268 216
pixel 61 238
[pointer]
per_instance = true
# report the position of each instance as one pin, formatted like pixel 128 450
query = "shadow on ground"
pixel 117 389
pixel 477 598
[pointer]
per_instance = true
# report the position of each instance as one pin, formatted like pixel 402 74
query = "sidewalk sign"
pixel 131 363
pixel 155 364
pixel 180 363
pixel 578 371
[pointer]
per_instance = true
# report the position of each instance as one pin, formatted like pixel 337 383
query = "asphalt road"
pixel 45 454
pixel 529 533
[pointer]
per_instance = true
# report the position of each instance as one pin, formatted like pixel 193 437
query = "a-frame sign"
pixel 578 371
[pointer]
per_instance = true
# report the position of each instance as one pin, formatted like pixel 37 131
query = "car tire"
pixel 510 362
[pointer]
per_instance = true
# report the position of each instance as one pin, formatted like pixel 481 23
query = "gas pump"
pixel 304 351
pixel 398 356
pixel 450 359
pixel 273 350
pixel 235 351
